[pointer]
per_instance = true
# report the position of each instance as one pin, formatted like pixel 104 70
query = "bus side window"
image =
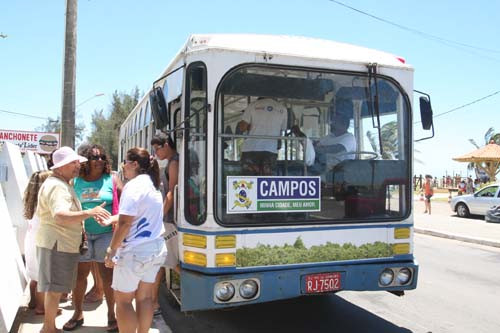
pixel 195 192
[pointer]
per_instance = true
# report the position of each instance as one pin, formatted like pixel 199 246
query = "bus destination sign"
pixel 273 194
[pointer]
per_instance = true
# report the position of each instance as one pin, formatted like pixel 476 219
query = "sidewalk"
pixel 443 222
pixel 93 313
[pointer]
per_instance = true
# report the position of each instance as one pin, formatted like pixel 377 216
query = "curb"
pixel 160 324
pixel 481 241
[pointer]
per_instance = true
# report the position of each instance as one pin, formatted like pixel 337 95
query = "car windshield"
pixel 299 146
pixel 488 191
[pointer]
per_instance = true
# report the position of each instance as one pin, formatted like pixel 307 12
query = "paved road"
pixel 458 291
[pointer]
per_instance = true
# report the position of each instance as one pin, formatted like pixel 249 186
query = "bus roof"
pixel 294 46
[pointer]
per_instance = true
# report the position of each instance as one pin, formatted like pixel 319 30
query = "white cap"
pixel 65 155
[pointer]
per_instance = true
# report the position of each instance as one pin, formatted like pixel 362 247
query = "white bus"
pixel 312 224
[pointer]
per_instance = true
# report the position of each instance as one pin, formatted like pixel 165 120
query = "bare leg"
pixel 107 278
pixel 125 314
pixel 156 287
pixel 39 301
pixel 144 306
pixel 79 290
pixel 96 292
pixel 51 307
pixel 32 303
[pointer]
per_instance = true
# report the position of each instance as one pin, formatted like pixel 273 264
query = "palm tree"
pixel 489 137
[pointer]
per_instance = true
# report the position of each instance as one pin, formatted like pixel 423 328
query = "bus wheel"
pixel 462 210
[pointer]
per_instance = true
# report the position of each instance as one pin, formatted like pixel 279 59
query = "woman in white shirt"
pixel 137 249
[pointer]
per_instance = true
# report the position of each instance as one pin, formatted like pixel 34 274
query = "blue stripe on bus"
pixel 274 231
pixel 225 270
pixel 198 290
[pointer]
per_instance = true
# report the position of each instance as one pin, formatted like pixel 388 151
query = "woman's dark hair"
pixel 147 165
pixel 161 139
pixel 86 151
pixel 50 161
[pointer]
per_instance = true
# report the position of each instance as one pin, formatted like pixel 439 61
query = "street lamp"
pixel 88 99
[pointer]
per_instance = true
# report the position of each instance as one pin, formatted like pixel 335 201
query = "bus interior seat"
pixel 363 184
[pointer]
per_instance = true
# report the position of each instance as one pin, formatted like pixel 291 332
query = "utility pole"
pixel 69 76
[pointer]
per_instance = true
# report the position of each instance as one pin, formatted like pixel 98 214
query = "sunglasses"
pixel 97 157
pixel 127 161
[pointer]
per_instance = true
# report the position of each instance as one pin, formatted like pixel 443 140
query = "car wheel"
pixel 462 210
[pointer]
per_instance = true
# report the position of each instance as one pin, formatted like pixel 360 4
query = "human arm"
pixel 173 175
pixel 118 183
pixel 122 228
pixel 113 219
pixel 65 217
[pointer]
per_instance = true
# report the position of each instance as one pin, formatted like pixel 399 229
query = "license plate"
pixel 323 282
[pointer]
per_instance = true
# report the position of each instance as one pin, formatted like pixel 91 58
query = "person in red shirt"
pixel 428 193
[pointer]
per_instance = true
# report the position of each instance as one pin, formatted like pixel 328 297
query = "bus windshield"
pixel 325 147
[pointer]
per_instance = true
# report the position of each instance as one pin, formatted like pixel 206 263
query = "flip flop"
pixel 72 324
pixel 112 326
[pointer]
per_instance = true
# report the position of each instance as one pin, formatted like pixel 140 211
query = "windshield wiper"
pixel 373 102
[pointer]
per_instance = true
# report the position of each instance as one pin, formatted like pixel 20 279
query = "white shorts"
pixel 140 263
pixel 172 241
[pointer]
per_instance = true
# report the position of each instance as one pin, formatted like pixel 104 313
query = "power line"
pixel 26 115
pixel 464 105
pixel 473 102
pixel 418 32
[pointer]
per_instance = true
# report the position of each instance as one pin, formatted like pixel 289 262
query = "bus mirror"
pixel 425 112
pixel 159 109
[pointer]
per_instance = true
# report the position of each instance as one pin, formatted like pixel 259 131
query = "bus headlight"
pixel 386 277
pixel 403 276
pixel 224 291
pixel 248 289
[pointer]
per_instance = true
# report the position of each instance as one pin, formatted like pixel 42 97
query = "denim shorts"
pixel 137 264
pixel 98 243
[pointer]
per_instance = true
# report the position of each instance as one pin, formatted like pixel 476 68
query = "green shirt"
pixel 94 193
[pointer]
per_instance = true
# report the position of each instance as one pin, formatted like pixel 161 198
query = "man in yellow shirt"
pixel 60 233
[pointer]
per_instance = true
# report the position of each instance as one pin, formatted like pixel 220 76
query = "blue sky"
pixel 124 44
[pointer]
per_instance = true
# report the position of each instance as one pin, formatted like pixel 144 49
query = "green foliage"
pixel 54 126
pixel 265 255
pixel 389 135
pixel 490 136
pixel 106 125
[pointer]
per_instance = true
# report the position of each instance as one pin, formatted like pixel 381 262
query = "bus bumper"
pixel 197 289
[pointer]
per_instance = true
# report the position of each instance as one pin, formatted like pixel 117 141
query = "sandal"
pixel 73 324
pixel 112 326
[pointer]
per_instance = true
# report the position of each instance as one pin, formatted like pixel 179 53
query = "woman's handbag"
pixel 84 245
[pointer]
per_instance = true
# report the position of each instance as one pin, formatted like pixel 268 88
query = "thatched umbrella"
pixel 486 158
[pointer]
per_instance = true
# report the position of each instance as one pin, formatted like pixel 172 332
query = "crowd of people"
pixel 83 219
pixel 464 185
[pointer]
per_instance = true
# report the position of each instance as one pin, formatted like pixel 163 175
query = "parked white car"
pixel 477 203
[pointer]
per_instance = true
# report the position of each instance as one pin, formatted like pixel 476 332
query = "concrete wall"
pixel 13 276
pixel 13 189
